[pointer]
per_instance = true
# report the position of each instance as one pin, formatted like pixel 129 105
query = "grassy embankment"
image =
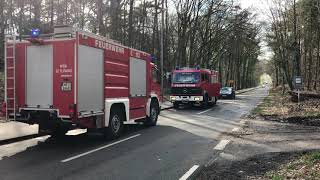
pixel 305 167
pixel 279 107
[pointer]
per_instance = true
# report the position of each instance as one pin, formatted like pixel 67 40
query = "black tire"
pixel 176 105
pixel 154 113
pixel 211 102
pixel 115 127
pixel 214 102
pixel 205 102
pixel 59 132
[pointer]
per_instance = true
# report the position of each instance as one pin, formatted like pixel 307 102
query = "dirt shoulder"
pixel 264 147
pixel 279 106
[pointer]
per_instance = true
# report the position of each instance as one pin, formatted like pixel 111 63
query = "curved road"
pixel 182 139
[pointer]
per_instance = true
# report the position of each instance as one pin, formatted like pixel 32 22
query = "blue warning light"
pixel 153 58
pixel 35 33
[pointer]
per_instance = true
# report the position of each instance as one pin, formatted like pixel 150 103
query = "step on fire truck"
pixel 194 86
pixel 75 79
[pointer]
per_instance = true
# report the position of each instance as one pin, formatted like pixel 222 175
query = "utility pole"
pixel 161 46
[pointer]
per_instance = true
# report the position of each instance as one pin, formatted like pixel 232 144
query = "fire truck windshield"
pixel 186 77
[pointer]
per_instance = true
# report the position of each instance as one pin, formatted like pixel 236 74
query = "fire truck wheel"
pixel 115 127
pixel 176 105
pixel 154 112
pixel 214 100
pixel 59 132
pixel 205 102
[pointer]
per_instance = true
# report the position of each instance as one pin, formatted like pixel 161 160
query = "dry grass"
pixel 280 107
pixel 279 104
pixel 306 167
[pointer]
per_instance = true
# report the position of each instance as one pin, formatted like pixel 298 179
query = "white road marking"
pixel 76 132
pixel 235 129
pixel 189 173
pixel 222 144
pixel 42 137
pixel 98 149
pixel 202 112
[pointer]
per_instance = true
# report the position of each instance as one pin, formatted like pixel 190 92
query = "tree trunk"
pixel 277 76
pixel 2 28
pixel 316 78
pixel 115 21
pixel 99 4
pixel 51 13
pixel 20 22
pixel 130 43
pixel 310 69
pixel 305 59
pixel 155 33
pixel 36 12
pixel 220 71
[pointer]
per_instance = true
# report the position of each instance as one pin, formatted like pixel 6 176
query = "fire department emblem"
pixel 185 90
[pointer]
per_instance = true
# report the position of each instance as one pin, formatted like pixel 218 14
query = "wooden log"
pixel 303 95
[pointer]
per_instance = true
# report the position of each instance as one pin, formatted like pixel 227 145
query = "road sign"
pixel 298 82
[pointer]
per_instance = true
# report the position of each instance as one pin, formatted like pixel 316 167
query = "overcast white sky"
pixel 249 3
pixel 261 7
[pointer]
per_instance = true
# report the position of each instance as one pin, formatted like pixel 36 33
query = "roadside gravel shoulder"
pixel 261 146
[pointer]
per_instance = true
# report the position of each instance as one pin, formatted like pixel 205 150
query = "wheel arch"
pixel 111 103
pixel 152 97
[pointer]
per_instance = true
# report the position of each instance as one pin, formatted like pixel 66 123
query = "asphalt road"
pixel 182 139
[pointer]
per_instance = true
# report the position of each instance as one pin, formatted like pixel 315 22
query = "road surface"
pixel 183 140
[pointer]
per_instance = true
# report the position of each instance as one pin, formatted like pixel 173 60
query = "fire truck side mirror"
pixel 156 75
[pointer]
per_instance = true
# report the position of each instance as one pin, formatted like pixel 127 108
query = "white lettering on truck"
pixel 63 68
pixel 108 46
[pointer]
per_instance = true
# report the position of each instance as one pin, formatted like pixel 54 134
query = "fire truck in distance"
pixel 75 79
pixel 194 86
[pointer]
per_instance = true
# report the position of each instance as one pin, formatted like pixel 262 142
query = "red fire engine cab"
pixel 75 79
pixel 194 86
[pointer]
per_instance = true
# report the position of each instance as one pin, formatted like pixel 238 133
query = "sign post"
pixel 298 85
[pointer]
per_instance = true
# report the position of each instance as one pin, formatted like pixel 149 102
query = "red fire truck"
pixel 194 86
pixel 75 79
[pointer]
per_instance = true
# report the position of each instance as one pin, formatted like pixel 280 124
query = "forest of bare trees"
pixel 295 41
pixel 215 34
